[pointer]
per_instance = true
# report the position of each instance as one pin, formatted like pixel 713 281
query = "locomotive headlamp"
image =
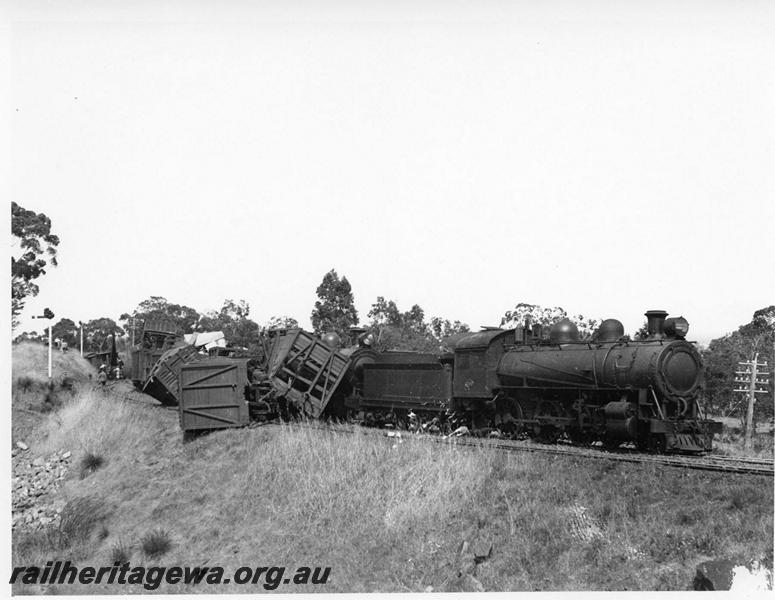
pixel 676 327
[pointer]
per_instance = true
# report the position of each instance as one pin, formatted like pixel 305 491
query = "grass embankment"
pixel 385 516
pixel 31 395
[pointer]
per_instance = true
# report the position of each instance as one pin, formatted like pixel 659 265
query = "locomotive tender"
pixel 527 381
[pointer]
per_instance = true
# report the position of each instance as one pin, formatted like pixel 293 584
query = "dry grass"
pixel 390 516
pixel 97 426
pixel 31 360
pixel 80 528
pixel 31 395
pixel 731 442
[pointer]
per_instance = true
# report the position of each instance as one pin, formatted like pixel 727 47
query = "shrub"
pixel 156 543
pixel 90 463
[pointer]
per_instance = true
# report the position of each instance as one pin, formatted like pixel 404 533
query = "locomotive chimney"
pixel 656 324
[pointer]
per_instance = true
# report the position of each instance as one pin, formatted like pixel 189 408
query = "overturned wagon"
pixel 302 375
pixel 163 381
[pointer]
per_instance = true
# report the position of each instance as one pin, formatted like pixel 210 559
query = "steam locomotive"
pixel 548 384
pixel 532 381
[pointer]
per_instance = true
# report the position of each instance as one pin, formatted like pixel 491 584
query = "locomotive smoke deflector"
pixel 656 324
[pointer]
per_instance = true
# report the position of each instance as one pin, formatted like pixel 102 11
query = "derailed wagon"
pixel 158 336
pixel 300 378
pixel 163 381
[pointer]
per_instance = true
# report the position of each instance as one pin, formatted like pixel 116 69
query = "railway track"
pixel 750 466
pixel 111 388
pixel 726 464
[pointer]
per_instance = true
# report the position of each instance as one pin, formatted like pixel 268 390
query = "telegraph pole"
pixel 756 384
pixel 81 324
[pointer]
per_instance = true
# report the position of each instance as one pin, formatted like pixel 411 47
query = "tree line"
pixel 721 359
pixel 35 248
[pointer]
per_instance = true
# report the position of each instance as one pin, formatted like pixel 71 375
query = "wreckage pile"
pixel 34 485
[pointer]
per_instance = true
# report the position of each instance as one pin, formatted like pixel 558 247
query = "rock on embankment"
pixel 34 485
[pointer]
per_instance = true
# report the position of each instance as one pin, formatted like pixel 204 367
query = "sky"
pixel 605 157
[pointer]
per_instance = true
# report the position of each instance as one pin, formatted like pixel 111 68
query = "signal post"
pixel 47 314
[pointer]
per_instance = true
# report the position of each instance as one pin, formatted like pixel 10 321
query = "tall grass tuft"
pixel 90 462
pixel 120 552
pixel 156 543
pixel 27 383
pixel 52 400
pixel 79 518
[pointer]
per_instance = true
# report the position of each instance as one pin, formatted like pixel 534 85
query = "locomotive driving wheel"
pixel 509 416
pixel 545 432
